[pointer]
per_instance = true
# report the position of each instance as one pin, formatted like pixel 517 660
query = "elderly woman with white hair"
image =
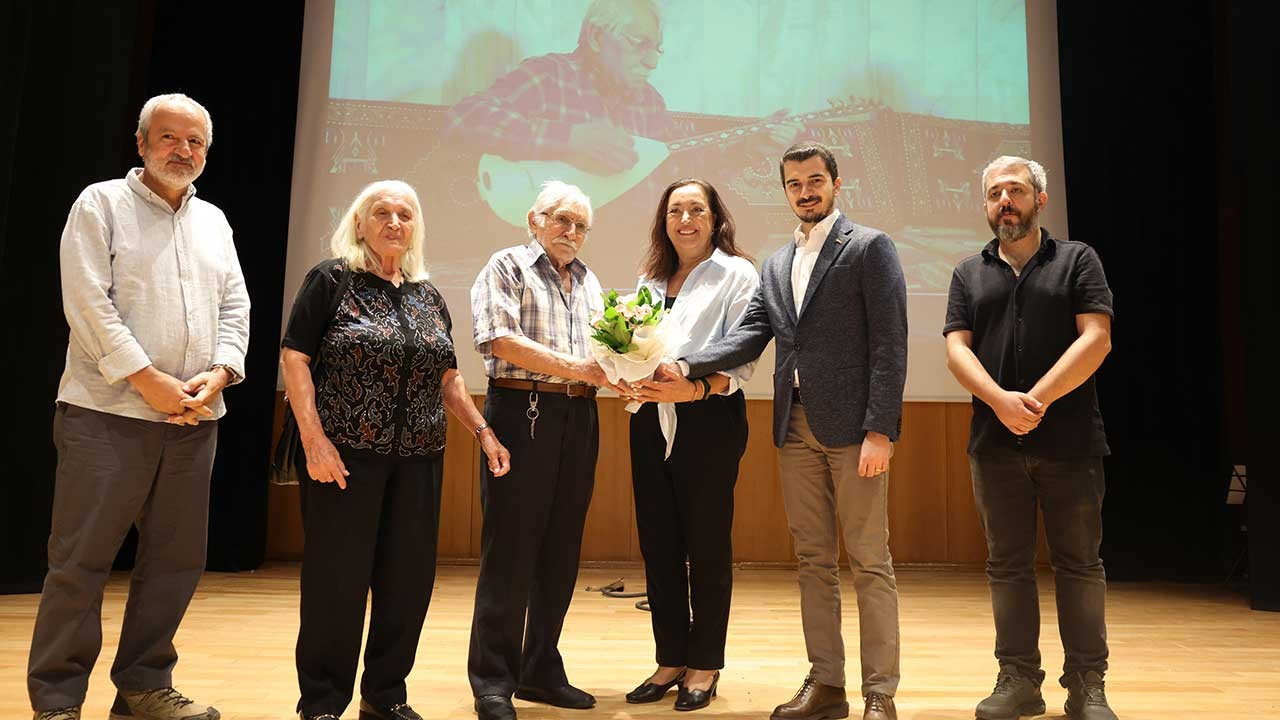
pixel 369 369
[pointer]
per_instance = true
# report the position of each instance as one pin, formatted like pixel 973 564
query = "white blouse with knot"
pixel 708 307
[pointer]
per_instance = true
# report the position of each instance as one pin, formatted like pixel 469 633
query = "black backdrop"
pixel 75 76
pixel 1166 118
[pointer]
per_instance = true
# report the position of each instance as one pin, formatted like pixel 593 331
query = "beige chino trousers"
pixel 824 496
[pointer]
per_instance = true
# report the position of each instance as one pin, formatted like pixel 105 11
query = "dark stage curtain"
pixel 75 76
pixel 1161 108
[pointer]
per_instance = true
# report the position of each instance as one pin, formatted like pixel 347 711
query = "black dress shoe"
pixel 395 712
pixel 652 692
pixel 565 696
pixel 697 699
pixel 495 707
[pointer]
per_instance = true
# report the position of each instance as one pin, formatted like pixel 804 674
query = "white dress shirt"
pixel 807 249
pixel 710 304
pixel 145 285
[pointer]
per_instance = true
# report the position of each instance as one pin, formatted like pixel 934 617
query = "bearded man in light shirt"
pixel 836 303
pixel 159 318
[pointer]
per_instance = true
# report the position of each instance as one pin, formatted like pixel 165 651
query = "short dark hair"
pixel 660 260
pixel 803 151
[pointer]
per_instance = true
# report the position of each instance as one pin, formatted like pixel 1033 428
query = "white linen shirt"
pixel 807 249
pixel 710 304
pixel 144 285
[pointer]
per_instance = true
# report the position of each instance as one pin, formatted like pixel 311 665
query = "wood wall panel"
pixel 932 518
pixel 968 545
pixel 918 527
pixel 610 532
pixel 460 495
pixel 760 532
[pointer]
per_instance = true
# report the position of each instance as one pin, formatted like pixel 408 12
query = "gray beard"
pixel 1012 233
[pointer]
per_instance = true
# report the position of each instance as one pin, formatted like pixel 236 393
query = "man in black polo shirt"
pixel 1028 325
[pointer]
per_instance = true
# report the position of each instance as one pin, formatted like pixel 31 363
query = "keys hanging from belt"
pixel 532 412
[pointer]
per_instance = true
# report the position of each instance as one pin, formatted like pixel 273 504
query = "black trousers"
pixel 531 539
pixel 1007 487
pixel 684 513
pixel 379 535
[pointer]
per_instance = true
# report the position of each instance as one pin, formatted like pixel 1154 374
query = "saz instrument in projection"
pixel 509 187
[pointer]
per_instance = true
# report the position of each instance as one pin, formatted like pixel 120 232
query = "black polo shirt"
pixel 1021 325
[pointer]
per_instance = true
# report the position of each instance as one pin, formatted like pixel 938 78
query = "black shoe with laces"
pixel 1086 697
pixel 1015 695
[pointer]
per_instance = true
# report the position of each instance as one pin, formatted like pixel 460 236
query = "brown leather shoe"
pixel 814 701
pixel 879 707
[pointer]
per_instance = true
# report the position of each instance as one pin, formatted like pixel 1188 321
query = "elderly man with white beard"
pixel 159 318
pixel 531 307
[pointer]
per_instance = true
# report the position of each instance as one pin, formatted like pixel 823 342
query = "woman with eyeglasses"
pixel 686 442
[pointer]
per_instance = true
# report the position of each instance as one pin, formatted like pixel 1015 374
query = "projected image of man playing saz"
pixel 589 117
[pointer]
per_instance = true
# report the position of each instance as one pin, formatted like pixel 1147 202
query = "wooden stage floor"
pixel 1177 651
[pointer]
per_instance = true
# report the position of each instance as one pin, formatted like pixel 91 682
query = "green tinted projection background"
pixel 939 88
pixel 960 59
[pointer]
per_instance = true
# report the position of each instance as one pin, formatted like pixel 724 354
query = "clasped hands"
pixel 184 402
pixel 668 384
pixel 1019 411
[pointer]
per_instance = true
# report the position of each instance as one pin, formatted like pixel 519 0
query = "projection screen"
pixel 914 97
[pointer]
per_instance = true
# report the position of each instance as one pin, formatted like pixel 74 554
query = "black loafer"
pixel 395 712
pixel 565 696
pixel 495 707
pixel 696 699
pixel 652 692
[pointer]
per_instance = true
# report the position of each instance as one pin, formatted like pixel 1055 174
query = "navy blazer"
pixel 849 342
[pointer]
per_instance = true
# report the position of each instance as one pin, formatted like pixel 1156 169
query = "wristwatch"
pixel 483 426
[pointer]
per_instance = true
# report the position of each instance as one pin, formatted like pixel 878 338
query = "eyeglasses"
pixel 641 46
pixel 567 221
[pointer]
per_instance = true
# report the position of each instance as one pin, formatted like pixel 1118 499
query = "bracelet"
pixel 706 387
pixel 231 374
pixel 481 428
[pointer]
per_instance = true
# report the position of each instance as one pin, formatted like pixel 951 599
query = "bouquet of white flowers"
pixel 629 337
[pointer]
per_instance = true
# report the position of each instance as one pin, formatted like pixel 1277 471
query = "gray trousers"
pixel 826 499
pixel 1008 486
pixel 114 472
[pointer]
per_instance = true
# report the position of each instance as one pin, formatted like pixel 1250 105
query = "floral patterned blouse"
pixel 381 360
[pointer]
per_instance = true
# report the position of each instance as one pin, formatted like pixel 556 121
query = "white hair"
pixel 144 117
pixel 556 194
pixel 1039 179
pixel 612 15
pixel 346 243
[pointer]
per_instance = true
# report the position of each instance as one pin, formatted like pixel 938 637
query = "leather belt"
pixel 571 389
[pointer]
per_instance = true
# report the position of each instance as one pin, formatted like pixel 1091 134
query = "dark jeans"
pixel 114 472
pixel 684 513
pixel 1007 487
pixel 531 539
pixel 377 537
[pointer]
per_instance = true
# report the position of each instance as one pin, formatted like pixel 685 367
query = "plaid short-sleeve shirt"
pixel 519 293
pixel 529 112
